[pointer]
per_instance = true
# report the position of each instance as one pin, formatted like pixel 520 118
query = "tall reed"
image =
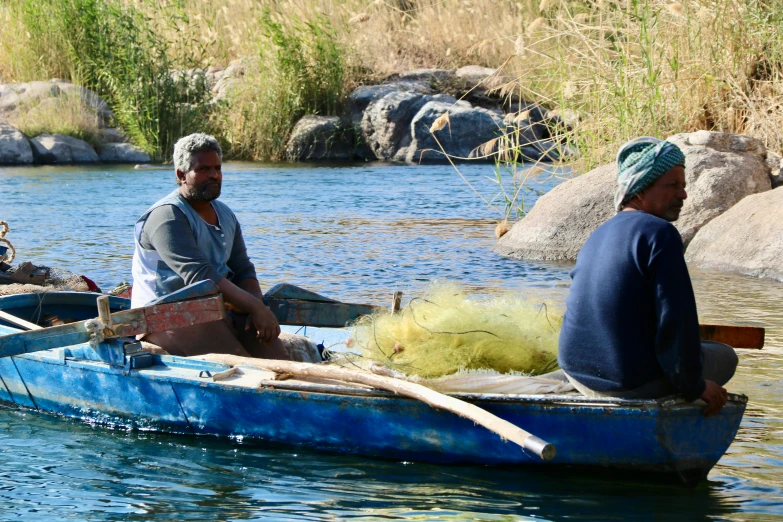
pixel 110 47
pixel 299 69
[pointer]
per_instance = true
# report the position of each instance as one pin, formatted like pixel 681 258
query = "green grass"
pixel 299 69
pixel 111 48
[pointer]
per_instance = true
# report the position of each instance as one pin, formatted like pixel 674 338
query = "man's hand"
pixel 715 396
pixel 263 321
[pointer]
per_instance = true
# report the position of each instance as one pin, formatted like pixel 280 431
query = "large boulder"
pixel 56 149
pixel 721 169
pixel 364 95
pixel 321 138
pixel 468 128
pixel 14 147
pixel 386 123
pixel 478 77
pixel 16 99
pixel 562 219
pixel 748 238
pixel 122 153
pixel 396 127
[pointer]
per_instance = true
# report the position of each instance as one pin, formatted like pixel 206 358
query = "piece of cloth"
pixel 631 315
pixel 639 163
pixel 719 362
pixel 175 247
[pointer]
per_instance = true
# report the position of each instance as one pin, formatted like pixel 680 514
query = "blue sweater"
pixel 631 314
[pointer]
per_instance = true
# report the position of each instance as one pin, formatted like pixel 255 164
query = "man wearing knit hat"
pixel 631 329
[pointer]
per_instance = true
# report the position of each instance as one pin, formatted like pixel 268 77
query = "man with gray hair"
pixel 189 236
pixel 631 329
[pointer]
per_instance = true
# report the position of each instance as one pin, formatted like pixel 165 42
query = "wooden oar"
pixel 735 336
pixel 128 323
pixel 505 429
pixel 18 321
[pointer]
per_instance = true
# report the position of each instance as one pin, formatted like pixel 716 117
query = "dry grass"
pixel 623 67
pixel 64 115
pixel 626 68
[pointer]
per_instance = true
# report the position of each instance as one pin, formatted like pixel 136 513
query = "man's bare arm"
pixel 247 297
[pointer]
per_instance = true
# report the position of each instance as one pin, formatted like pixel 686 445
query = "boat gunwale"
pixel 170 361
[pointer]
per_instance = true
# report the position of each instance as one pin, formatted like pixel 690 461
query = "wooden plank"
pixel 735 336
pixel 314 313
pixel 149 319
pixel 192 291
pixel 18 321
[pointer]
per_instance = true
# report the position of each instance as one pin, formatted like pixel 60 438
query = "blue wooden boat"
pixel 120 385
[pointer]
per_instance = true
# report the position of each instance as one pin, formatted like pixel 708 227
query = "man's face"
pixel 665 197
pixel 204 181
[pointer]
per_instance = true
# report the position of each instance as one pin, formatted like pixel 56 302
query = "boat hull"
pixel 179 395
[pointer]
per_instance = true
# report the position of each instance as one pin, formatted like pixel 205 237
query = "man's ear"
pixel 180 176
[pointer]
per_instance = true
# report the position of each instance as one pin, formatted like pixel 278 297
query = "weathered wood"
pixel 18 322
pixel 735 336
pixel 505 429
pixel 317 313
pixel 191 291
pixel 128 323
pixel 396 302
pixel 104 310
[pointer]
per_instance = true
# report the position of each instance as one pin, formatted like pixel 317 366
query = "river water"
pixel 355 233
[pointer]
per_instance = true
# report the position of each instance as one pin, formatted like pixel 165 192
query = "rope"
pixel 4 228
pixel 95 327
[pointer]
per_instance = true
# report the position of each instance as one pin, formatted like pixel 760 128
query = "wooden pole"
pixel 18 322
pixel 505 429
pixel 396 301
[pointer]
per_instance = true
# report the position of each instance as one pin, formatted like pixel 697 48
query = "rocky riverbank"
pixel 421 116
pixel 730 221
pixel 28 101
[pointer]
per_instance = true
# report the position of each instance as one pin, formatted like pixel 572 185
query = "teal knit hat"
pixel 640 163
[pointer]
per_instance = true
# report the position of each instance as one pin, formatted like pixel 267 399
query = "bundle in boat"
pixel 447 331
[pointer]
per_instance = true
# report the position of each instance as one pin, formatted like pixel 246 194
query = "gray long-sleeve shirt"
pixel 168 232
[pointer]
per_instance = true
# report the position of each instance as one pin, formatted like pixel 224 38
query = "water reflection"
pixel 84 472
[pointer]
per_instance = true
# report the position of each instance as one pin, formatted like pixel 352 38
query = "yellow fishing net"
pixel 446 331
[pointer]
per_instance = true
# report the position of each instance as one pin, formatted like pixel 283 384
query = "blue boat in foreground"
pixel 118 384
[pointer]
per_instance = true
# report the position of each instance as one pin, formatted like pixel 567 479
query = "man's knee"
pixel 719 361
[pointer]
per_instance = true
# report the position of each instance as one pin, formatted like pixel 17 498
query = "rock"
pixel 321 138
pixel 23 97
pixel 747 238
pixel 112 135
pixel 364 95
pixel 122 153
pixel 227 79
pixel 89 99
pixel 428 76
pixel 58 149
pixel 476 76
pixel 775 164
pixel 562 219
pixel 720 170
pixel 14 147
pixel 385 125
pixel 469 129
